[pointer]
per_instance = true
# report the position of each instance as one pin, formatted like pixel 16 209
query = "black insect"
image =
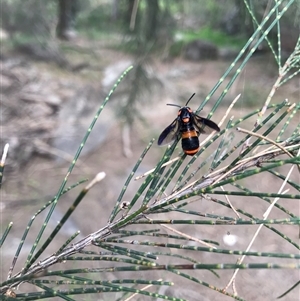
pixel 187 126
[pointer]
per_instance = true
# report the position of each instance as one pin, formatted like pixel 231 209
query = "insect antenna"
pixel 190 99
pixel 173 105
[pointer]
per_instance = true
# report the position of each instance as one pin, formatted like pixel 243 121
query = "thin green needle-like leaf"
pixel 277 58
pixel 252 172
pixel 194 279
pixel 265 199
pixel 145 232
pixel 281 221
pixel 155 176
pixel 242 141
pixel 296 131
pixel 138 255
pixel 116 208
pixel 286 124
pixel 174 255
pixel 95 290
pixel 60 223
pixel 199 266
pixel 260 158
pixel 168 177
pixel 259 27
pixel 193 173
pixel 127 219
pixel 213 250
pixel 255 143
pixel 289 290
pixel 225 204
pixel 22 241
pixel 148 180
pixel 75 291
pixel 124 233
pixel 257 194
pixel 282 177
pixel 31 259
pixel 112 259
pixel 290 77
pixel 68 241
pixel 191 212
pixel 193 191
pixel 259 36
pixel 223 142
pixel 285 237
pixel 117 281
pixel 53 292
pixel 8 228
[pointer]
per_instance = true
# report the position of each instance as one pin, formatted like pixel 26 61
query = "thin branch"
pixel 4 155
pixel 142 289
pixel 188 236
pixel 265 216
pixel 133 14
pixel 228 201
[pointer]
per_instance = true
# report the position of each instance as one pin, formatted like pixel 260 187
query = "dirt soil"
pixel 26 189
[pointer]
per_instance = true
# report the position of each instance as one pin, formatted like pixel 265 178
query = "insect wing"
pixel 204 126
pixel 170 133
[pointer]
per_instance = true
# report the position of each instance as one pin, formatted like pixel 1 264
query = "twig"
pixel 133 14
pixel 151 170
pixel 188 236
pixel 265 138
pixel 229 109
pixel 222 120
pixel 4 155
pixel 265 216
pixel 268 139
pixel 142 289
pixel 228 201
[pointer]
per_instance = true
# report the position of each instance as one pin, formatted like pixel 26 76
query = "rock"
pixel 3 35
pixel 5 83
pixel 226 53
pixel 46 53
pixel 112 73
pixel 74 119
pixel 30 101
pixel 199 50
pixel 51 100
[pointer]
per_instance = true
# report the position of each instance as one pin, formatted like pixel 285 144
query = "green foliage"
pixel 182 38
pixel 96 21
pixel 209 34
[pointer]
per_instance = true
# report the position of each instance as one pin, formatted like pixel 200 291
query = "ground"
pixel 25 190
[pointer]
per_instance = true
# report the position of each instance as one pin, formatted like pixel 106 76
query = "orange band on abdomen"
pixel 189 134
pixel 191 152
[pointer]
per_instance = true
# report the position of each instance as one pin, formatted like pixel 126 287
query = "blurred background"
pixel 60 58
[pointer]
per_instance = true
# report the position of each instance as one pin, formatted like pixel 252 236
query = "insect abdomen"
pixel 190 142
